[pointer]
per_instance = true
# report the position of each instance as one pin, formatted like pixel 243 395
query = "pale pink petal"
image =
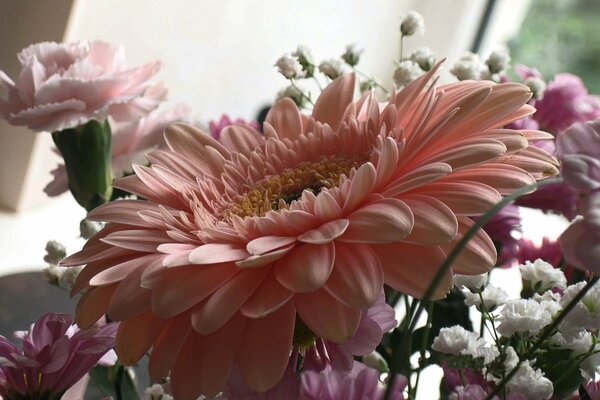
pixel 217 253
pixel 267 298
pixel 284 117
pixel 306 268
pixel 332 102
pixel 383 221
pixel 325 233
pixel 434 222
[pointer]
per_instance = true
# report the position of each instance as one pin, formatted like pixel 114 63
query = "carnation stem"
pixel 544 335
pixel 397 361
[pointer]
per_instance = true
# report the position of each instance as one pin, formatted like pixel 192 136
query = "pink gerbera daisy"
pixel 240 239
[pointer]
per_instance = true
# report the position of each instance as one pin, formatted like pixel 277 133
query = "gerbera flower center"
pixel 278 191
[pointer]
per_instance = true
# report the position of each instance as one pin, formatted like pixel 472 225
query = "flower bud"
pixel 289 67
pixel 412 23
pixel 498 61
pixel 424 57
pixel 305 58
pixel 352 55
pixel 406 72
pixel 331 68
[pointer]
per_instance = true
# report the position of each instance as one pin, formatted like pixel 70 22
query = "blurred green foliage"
pixel 561 36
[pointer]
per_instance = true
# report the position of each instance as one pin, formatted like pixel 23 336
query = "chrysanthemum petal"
pixel 262 373
pixel 382 221
pixel 326 316
pixel 226 300
pixel 306 268
pixel 357 276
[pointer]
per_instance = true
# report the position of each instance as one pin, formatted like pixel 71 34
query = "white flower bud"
pixel 87 228
pixel 474 283
pixel 406 72
pixel 55 252
pixel 293 93
pixel 331 68
pixel 542 275
pixel 289 67
pixel 536 85
pixel 531 383
pixel 352 55
pixel 469 66
pixel 424 57
pixel 412 23
pixel 492 296
pixel 498 61
pixel 305 58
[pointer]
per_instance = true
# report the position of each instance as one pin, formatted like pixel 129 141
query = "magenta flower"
pixel 55 354
pixel 216 126
pixel 63 85
pixel 505 228
pixel 131 140
pixel 579 150
pixel 361 383
pixel 565 102
pixel 593 390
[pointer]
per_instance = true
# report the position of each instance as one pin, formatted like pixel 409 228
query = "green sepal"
pixel 87 152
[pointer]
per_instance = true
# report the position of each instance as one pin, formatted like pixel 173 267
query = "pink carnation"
pixel 130 142
pixel 63 85
pixel 579 150
pixel 55 355
pixel 566 101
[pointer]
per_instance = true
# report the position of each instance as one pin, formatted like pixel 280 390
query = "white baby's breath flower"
pixel 536 85
pixel 498 61
pixel 455 340
pixel 548 295
pixel 585 315
pixel 88 228
pixel 590 366
pixel 531 383
pixel 289 67
pixel 424 58
pixel 406 72
pixel 55 252
pixel 492 296
pixel 469 66
pixel 580 344
pixel 488 353
pixel 303 53
pixel 524 316
pixel 412 23
pixel 352 55
pixel 156 392
pixel 331 68
pixel 474 283
pixel 542 275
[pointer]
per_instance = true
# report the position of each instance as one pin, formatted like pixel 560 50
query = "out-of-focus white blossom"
pixel 469 66
pixel 305 58
pixel 156 392
pixel 498 61
pixel 55 252
pixel 352 55
pixel 585 315
pixel 88 228
pixel 590 366
pixel 474 283
pixel 455 340
pixel 331 68
pixel 548 295
pixel 424 58
pixel 412 23
pixel 542 275
pixel 492 296
pixel 489 353
pixel 289 67
pixel 531 383
pixel 511 359
pixel 294 93
pixel 63 277
pixel 407 72
pixel 537 86
pixel 525 316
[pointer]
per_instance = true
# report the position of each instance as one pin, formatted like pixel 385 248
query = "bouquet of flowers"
pixel 332 251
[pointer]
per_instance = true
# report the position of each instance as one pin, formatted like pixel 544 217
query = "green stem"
pixel 437 279
pixel 424 342
pixel 545 334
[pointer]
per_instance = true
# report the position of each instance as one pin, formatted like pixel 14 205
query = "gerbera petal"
pixel 383 221
pixel 241 139
pixel 333 100
pixel 264 259
pixel 129 299
pixel 226 300
pixel 285 118
pixel 361 186
pixel 326 207
pixel 267 244
pixel 138 240
pixel 306 268
pixel 410 268
pixel 325 233
pixel 260 372
pixel 478 256
pixel 434 222
pixel 357 276
pixel 269 296
pixel 463 197
pixel 326 316
pixel 92 305
pixel 213 253
pixel 136 335
pixel 167 346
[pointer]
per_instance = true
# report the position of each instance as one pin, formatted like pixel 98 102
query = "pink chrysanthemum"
pixel 240 238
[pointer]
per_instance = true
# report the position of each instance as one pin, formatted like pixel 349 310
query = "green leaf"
pixel 114 381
